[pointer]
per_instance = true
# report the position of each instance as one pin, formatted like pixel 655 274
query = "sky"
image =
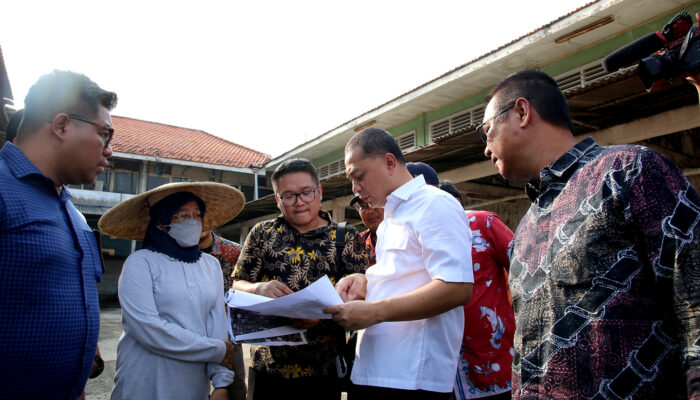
pixel 268 75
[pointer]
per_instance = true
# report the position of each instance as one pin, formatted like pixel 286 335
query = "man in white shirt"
pixel 410 301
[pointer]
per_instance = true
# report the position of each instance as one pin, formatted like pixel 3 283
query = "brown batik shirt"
pixel 605 276
pixel 275 250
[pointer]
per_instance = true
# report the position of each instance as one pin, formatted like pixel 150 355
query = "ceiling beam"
pixel 682 160
pixel 490 191
pixel 680 119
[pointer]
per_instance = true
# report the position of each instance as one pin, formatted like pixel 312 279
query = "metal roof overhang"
pixel 609 101
pixel 530 51
pixel 603 103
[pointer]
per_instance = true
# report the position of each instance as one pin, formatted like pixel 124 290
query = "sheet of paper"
pixel 306 303
pixel 248 327
pixel 295 339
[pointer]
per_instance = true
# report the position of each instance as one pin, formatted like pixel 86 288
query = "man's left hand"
pixel 352 287
pixel 354 315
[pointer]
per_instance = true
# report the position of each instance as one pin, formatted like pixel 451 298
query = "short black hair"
pixel 376 142
pixel 63 92
pixel 14 125
pixel 450 188
pixel 540 90
pixel 295 165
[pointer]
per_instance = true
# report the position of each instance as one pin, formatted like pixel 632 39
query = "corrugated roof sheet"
pixel 92 210
pixel 147 138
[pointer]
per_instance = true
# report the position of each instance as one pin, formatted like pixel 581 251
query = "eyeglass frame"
pixel 105 144
pixel 298 196
pixel 480 128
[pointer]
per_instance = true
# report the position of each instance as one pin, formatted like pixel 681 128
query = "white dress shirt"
pixel 174 323
pixel 424 236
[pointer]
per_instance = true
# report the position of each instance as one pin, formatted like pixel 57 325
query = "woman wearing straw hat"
pixel 174 343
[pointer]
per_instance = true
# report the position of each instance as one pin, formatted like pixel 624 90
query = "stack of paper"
pixel 264 320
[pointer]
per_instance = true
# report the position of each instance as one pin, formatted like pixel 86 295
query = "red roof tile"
pixel 166 141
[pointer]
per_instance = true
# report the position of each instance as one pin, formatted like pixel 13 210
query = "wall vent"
pixel 334 168
pixel 407 141
pixel 470 117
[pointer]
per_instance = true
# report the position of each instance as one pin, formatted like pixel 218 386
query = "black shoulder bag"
pixel 344 360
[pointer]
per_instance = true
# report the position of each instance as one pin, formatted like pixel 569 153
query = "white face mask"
pixel 186 233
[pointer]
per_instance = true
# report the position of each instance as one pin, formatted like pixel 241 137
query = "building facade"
pixel 435 122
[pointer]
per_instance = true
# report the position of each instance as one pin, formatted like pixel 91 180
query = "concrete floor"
pixel 110 330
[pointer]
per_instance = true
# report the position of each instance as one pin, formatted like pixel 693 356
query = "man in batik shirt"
pixel 605 265
pixel 287 254
pixel 484 363
pixel 227 253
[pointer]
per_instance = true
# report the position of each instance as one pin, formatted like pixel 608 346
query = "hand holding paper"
pixel 307 303
pixel 260 319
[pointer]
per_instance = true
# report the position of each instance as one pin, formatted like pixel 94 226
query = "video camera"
pixel 676 53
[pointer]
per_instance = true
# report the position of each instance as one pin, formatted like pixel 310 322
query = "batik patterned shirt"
pixel 605 274
pixel 227 252
pixel 275 250
pixel 486 355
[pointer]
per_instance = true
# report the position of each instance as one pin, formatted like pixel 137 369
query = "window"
pixel 179 179
pixel 125 182
pixel 155 181
pixel 101 184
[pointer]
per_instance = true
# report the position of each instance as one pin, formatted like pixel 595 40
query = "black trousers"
pixel 237 389
pixel 272 387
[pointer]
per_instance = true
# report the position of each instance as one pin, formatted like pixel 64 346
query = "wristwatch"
pixel 95 372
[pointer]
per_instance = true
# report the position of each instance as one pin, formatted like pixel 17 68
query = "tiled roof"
pixel 147 138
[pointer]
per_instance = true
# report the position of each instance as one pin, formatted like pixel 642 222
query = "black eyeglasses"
pixel 106 137
pixel 290 199
pixel 483 132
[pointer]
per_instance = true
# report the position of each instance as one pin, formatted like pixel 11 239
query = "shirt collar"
pixel 561 166
pixel 404 192
pixel 20 166
pixel 323 214
pixel 17 162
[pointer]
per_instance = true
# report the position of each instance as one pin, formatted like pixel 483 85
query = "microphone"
pixel 633 52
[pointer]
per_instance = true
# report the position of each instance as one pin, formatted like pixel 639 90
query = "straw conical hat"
pixel 129 219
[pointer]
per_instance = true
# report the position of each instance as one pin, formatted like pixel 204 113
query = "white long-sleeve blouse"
pixel 174 323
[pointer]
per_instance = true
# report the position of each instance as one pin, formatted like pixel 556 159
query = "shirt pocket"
pixel 395 237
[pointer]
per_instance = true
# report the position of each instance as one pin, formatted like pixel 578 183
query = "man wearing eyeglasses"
pixel 287 254
pixel 605 264
pixel 49 257
pixel 371 218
